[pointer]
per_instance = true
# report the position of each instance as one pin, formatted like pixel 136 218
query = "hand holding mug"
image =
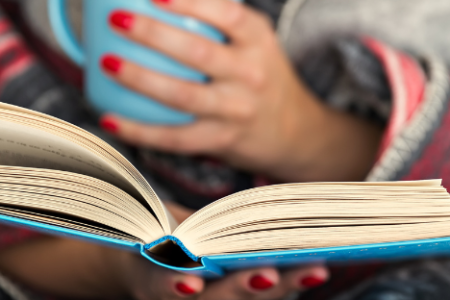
pixel 253 113
pixel 105 95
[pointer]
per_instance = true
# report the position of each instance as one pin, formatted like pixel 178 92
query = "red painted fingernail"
pixel 162 1
pixel 259 282
pixel 111 63
pixel 110 125
pixel 311 282
pixel 185 289
pixel 122 19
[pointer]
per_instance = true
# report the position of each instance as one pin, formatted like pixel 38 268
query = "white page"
pixel 24 146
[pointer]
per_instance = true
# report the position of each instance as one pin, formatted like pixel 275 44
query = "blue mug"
pixel 99 39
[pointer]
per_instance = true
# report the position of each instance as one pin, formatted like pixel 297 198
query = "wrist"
pixel 116 273
pixel 326 145
pixel 304 133
pixel 64 268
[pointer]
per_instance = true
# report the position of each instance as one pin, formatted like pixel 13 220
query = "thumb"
pixel 167 284
pixel 187 285
pixel 146 280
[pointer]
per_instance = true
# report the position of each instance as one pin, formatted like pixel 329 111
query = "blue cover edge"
pixel 66 232
pixel 208 270
pixel 391 251
pixel 312 251
pixel 177 241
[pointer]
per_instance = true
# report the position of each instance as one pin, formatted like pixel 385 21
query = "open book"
pixel 57 178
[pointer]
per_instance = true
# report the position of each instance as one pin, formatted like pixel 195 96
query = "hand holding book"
pixel 100 272
pixel 28 139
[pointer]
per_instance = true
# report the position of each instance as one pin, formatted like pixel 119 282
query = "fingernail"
pixel 109 125
pixel 122 19
pixel 185 289
pixel 111 63
pixel 162 1
pixel 311 282
pixel 259 282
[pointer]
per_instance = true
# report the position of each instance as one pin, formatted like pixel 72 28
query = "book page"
pixel 75 201
pixel 31 139
pixel 23 146
pixel 318 215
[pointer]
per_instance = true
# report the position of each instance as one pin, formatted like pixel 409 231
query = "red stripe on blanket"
pixel 5 26
pixel 14 58
pixel 434 161
pixel 407 81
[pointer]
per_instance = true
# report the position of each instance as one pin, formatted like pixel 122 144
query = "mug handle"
pixel 63 31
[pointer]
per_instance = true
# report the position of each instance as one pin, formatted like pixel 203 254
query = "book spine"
pixel 176 241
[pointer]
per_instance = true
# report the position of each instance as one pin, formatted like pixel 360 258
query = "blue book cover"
pixel 218 265
pixel 58 179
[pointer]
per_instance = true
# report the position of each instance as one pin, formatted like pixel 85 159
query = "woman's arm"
pixel 62 267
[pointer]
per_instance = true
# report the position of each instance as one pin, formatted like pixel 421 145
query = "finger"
pixel 172 285
pixel 241 24
pixel 200 100
pixel 200 53
pixel 304 278
pixel 294 281
pixel 149 281
pixel 251 284
pixel 187 286
pixel 181 95
pixel 202 137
